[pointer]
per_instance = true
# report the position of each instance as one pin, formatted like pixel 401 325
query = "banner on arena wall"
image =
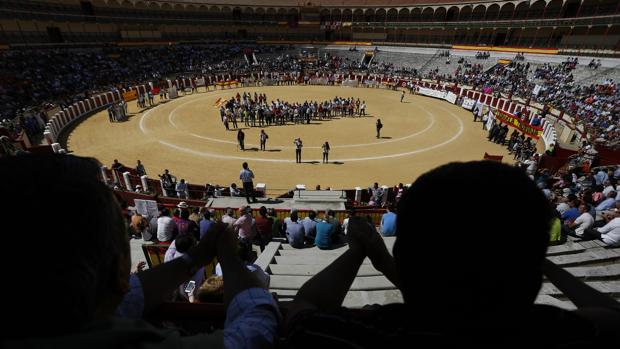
pixel 432 93
pixel 468 103
pixel 130 95
pixel 450 97
pixel 155 90
pixel 173 93
pixel 200 82
pixel 513 121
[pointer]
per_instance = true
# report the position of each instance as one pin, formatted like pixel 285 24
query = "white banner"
pixel 432 93
pixel 450 97
pixel 350 83
pixel 468 103
pixel 147 208
pixel 490 118
pixel 200 82
pixel 536 90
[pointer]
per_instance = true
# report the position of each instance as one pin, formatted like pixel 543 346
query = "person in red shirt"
pixel 264 225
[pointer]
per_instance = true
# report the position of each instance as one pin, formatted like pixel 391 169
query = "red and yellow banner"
pixel 547 51
pixel 130 95
pixel 513 121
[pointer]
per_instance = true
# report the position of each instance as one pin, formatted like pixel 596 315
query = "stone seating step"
pixel 362 283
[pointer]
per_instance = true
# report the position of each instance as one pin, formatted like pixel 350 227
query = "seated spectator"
pixel 309 224
pixel 178 248
pixel 609 233
pixel 264 225
pixel 607 203
pixel 277 229
pixel 206 223
pixel 196 215
pixel 295 233
pixel 234 191
pixel 138 225
pixel 388 222
pixel 187 226
pixel 96 301
pixel 166 227
pixel 345 223
pixel 244 224
pixel 229 217
pixel 584 221
pixel 495 302
pixel 573 211
pixel 324 234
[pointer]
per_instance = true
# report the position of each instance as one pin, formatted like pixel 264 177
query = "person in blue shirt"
pixel 309 224
pixel 324 232
pixel 388 222
pixel 573 212
pixel 206 223
pixel 607 203
pixel 295 232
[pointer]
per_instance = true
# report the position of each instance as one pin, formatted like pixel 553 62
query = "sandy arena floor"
pixel 186 136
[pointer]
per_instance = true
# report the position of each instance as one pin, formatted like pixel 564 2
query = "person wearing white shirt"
pixel 229 218
pixel 609 233
pixel 165 227
pixel 583 222
pixel 608 188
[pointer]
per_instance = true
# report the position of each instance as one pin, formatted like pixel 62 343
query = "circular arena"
pixel 187 136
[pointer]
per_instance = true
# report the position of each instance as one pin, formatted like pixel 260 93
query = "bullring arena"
pixel 186 135
pixel 510 108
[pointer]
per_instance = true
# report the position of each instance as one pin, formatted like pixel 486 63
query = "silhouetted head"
pixel 69 288
pixel 471 259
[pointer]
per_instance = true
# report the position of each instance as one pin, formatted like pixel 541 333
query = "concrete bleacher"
pixel 590 261
pixel 290 268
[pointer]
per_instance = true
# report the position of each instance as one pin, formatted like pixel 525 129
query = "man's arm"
pixel 159 283
pixel 338 276
pixel 366 234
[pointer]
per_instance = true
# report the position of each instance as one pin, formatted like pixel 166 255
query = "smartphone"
pixel 190 286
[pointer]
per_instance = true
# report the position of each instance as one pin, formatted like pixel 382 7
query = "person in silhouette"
pixel 480 289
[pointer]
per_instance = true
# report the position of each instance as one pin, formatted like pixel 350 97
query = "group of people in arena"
pixel 256 110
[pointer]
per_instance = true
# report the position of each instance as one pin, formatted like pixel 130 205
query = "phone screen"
pixel 190 287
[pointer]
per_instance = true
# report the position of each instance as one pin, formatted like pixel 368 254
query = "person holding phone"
pixel 91 297
pixel 179 247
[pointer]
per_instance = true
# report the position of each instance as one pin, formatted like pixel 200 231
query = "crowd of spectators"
pixel 32 81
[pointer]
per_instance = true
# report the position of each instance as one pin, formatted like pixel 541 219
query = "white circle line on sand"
pixel 229 157
pixel 194 99
pixel 172 116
